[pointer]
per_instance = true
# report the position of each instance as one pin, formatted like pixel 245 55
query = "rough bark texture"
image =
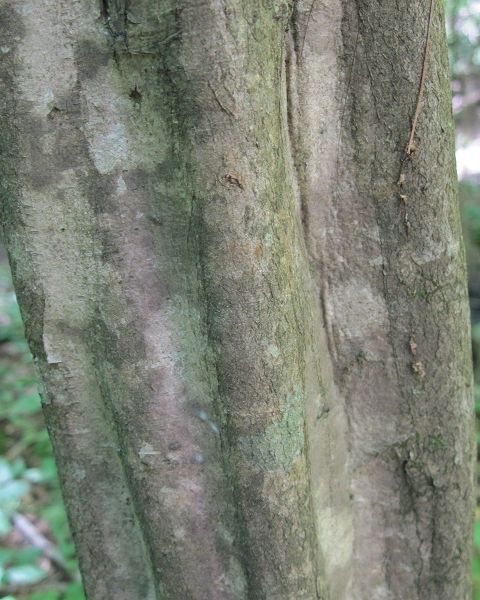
pixel 384 236
pixel 254 355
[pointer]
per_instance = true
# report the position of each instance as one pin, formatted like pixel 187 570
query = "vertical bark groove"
pixel 389 261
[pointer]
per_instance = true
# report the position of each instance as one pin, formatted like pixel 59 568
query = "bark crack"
pixel 293 148
pixel 292 54
pixel 222 415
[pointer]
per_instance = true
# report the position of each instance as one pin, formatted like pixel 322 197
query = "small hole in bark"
pixel 104 8
pixel 135 95
pixel 53 113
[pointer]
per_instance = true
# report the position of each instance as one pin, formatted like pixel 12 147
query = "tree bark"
pixel 247 304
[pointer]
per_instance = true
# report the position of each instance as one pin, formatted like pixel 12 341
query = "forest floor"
pixel 37 559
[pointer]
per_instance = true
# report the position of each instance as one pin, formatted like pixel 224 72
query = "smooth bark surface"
pixel 247 308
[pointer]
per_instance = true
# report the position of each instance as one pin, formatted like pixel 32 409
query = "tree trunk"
pixel 246 301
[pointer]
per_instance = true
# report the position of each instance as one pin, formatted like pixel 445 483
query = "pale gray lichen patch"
pixel 107 144
pixel 147 450
pixel 203 416
pixel 113 139
pixel 237 584
pixel 121 185
pixel 273 350
pixel 52 357
pixel 190 333
pixel 47 65
pixel 282 442
pixel 105 128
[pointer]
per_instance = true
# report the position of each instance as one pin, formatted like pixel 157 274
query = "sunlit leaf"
pixel 34 475
pixel 5 471
pixel 12 491
pixel 24 575
pixel 18 467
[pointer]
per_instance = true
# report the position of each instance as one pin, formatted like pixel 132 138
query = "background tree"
pixel 247 303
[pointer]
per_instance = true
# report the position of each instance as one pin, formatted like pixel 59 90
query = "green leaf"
pixel 34 476
pixel 13 491
pixel 74 592
pixel 18 467
pixel 49 470
pixel 5 524
pixel 5 471
pixel 57 521
pixel 45 595
pixel 26 556
pixel 27 405
pixel 476 569
pixel 25 575
pixel 476 534
pixel 6 556
pixel 476 394
pixel 476 332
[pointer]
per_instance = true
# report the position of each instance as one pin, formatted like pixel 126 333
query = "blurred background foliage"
pixel 463 27
pixel 37 559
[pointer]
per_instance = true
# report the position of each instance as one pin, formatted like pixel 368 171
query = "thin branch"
pixel 306 27
pixel 410 145
pixel 31 534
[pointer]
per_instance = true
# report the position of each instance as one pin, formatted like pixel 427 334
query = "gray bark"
pixel 254 353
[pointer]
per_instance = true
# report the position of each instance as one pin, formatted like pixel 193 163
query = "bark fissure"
pixel 120 437
pixel 222 414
